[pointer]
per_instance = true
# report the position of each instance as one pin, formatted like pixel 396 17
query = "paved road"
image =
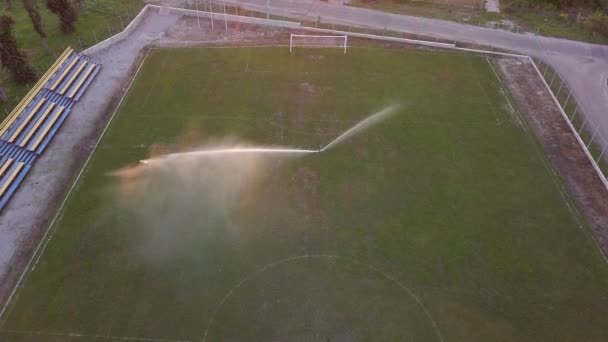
pixel 584 66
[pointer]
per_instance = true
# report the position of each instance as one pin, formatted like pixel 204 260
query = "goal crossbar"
pixel 292 36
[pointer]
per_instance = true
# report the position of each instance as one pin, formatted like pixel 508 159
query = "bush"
pixel 598 22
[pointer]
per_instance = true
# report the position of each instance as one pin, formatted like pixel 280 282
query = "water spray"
pixel 362 125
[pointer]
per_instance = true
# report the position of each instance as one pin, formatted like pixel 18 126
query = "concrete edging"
pixel 119 36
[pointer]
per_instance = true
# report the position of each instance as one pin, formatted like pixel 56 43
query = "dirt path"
pixel 25 219
pixel 492 6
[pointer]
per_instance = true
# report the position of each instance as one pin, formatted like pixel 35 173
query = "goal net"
pixel 304 40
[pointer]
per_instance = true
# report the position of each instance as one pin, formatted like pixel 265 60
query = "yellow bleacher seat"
pixel 65 73
pixel 82 79
pixel 5 166
pixel 37 124
pixel 34 91
pixel 10 179
pixel 71 80
pixel 27 120
pixel 47 129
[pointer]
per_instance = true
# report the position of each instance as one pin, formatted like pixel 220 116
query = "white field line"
pixel 502 86
pixel 50 231
pixel 89 336
pixel 259 271
pixel 543 156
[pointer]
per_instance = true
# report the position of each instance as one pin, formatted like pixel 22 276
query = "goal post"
pixel 320 41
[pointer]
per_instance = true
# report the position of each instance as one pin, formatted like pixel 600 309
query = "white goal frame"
pixel 291 46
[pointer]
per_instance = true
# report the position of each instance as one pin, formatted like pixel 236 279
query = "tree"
pixel 3 96
pixel 11 57
pixel 32 10
pixel 66 13
pixel 82 6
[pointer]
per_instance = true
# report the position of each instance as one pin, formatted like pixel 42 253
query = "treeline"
pixel 589 5
pixel 592 14
pixel 12 58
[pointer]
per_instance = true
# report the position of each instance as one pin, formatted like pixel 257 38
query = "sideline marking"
pixel 88 336
pixel 44 241
pixel 259 271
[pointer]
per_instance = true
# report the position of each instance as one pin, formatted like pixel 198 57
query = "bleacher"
pixel 31 126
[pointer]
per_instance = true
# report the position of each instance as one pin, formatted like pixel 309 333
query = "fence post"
pixel 602 154
pixel 582 126
pixel 109 30
pixel 592 137
pixel 560 88
pixel 553 79
pixel 121 25
pixel 575 111
pixel 95 35
pixel 568 98
pixel 546 69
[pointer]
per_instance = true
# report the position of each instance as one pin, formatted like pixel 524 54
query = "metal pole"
pixel 545 73
pixel 290 42
pixel 593 137
pixel 211 10
pixel 225 18
pixel 345 43
pixel 568 98
pixel 560 88
pixel 267 9
pixel 601 154
pixel 553 79
pixel 109 29
pixel 575 111
pixel 121 25
pixel 198 18
pixel 95 35
pixel 582 126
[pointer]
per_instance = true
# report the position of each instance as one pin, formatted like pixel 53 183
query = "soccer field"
pixel 443 222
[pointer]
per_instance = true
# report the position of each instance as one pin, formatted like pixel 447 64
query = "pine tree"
pixel 32 10
pixel 66 13
pixel 11 57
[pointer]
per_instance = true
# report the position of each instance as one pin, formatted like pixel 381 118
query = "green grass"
pixel 102 19
pixel 450 201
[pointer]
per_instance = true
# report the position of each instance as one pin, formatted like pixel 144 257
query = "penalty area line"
pixel 48 234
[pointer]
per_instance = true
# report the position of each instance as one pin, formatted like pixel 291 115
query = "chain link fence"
pixel 594 139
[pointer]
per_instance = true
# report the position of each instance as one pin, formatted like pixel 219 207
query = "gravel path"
pixel 26 217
